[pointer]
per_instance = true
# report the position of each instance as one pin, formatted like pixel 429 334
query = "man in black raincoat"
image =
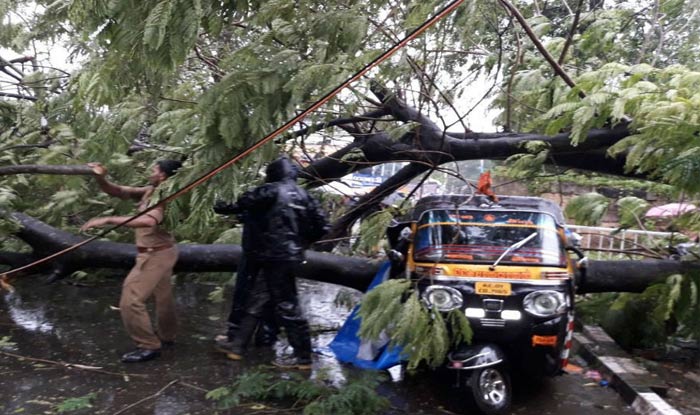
pixel 266 333
pixel 281 221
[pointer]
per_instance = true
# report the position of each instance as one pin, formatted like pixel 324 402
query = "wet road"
pixel 76 325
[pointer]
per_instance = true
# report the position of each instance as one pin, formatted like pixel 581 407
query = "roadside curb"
pixel 632 381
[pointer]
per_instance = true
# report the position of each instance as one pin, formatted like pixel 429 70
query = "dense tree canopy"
pixel 156 79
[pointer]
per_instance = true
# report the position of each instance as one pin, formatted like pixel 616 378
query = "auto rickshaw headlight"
pixel 545 303
pixel 442 298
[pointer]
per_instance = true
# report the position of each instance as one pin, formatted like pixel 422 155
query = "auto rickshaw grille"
pixel 492 322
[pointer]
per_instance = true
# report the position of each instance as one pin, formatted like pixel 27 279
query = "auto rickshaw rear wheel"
pixel 491 389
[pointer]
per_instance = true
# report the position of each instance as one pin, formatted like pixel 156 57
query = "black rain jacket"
pixel 281 218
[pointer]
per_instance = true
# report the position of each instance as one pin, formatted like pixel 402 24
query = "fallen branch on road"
pixel 155 395
pixel 70 365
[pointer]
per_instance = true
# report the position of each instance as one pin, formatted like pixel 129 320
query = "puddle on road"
pixel 77 325
pixel 30 319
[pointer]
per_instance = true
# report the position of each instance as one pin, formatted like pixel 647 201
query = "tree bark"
pixel 429 146
pixel 630 276
pixel 601 276
pixel 73 170
pixel 45 240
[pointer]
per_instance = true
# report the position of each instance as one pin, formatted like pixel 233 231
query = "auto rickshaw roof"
pixel 524 203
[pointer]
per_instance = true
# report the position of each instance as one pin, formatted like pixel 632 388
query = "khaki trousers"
pixel 150 277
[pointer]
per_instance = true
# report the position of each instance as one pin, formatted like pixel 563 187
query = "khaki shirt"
pixel 152 236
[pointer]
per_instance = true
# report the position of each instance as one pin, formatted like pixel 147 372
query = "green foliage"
pixel 526 164
pixel 345 299
pixel 639 320
pixel 7 197
pixel 247 386
pixel 394 307
pixel 381 307
pixel 647 320
pixel 356 397
pixel 373 229
pixel 461 331
pixel 5 342
pixel 587 209
pixel 631 211
pixel 216 295
pixel 591 308
pixel 684 304
pixel 76 404
pixel 398 132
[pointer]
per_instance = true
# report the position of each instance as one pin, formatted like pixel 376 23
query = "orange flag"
pixel 484 186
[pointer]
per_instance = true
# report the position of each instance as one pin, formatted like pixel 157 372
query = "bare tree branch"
pixel 45 144
pixel 572 31
pixel 74 170
pixel 538 44
pixel 368 116
pixel 18 96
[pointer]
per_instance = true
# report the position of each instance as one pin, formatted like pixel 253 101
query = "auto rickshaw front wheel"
pixel 491 389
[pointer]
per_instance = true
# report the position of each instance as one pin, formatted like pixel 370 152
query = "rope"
pixel 415 33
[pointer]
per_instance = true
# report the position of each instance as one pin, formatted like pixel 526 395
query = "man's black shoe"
pixel 140 355
pixel 265 341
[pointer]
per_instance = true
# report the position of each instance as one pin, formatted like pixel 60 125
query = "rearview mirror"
pixel 573 239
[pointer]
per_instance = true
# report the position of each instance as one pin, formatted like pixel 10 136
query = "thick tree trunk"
pixel 630 276
pixel 45 240
pixel 601 276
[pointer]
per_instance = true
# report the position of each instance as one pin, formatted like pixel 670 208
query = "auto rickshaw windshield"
pixel 474 236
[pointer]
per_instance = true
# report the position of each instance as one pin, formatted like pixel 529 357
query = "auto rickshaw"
pixel 506 265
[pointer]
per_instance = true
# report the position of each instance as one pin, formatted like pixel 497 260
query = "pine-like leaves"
pixel 373 229
pixel 381 307
pixel 631 211
pixel 356 397
pixel 424 335
pixel 587 209
pixel 157 24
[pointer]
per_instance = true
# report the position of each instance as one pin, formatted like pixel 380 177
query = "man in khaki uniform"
pixel 150 276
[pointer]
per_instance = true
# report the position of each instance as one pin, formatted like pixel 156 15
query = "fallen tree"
pixel 426 146
pixel 600 276
pixel 45 240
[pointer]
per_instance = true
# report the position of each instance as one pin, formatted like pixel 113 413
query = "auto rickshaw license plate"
pixel 493 288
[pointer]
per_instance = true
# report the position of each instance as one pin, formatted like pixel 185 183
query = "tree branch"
pixel 368 116
pixel 72 170
pixel 18 96
pixel 572 31
pixel 369 201
pixel 70 365
pixel 45 144
pixel 155 395
pixel 538 44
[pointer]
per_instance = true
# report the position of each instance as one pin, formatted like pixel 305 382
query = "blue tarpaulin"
pixel 347 344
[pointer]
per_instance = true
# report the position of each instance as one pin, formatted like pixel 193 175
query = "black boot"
pixel 266 334
pixel 299 338
pixel 140 355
